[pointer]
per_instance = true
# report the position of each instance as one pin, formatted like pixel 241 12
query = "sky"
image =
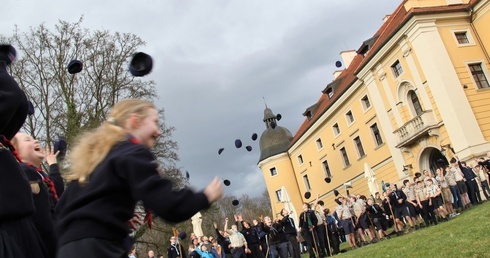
pixel 217 62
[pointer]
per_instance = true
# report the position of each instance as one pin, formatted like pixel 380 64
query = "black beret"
pixel 254 136
pixel 75 66
pixel 7 54
pixel 238 143
pixel 227 182
pixel 13 104
pixel 141 64
pixel 307 195
pixel 235 202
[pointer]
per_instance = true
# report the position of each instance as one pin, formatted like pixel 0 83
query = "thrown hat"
pixel 141 64
pixel 338 201
pixel 336 193
pixel 238 143
pixel 227 182
pixel 338 64
pixel 187 175
pixel 328 179
pixel 75 66
pixel 278 117
pixel 7 53
pixel 30 110
pixel 254 137
pixel 235 202
pixel 220 150
pixel 182 235
pixel 61 146
pixel 307 195
pixel 249 148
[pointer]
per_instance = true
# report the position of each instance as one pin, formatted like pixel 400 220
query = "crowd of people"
pixel 112 168
pixel 425 201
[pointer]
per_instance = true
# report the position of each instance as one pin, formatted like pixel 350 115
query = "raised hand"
pixel 51 158
pixel 214 191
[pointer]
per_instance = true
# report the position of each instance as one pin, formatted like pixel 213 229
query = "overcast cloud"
pixel 215 61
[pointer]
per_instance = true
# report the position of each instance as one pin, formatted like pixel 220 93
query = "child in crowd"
pixel 111 168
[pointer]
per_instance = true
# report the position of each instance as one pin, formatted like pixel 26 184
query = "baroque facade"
pixel 410 98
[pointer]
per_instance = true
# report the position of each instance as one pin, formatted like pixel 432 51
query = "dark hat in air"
pixel 254 137
pixel 141 64
pixel 7 53
pixel 307 195
pixel 328 180
pixel 278 117
pixel 235 202
pixel 61 146
pixel 238 143
pixel 220 150
pixel 249 148
pixel 30 111
pixel 187 175
pixel 338 64
pixel 337 201
pixel 75 66
pixel 227 182
pixel 335 192
pixel 182 235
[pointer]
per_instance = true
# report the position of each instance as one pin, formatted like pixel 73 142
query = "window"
pixel 278 195
pixel 307 182
pixel 376 134
pixel 478 75
pixel 300 159
pixel 345 158
pixel 415 103
pixel 397 68
pixel 350 117
pixel 462 37
pixel 273 171
pixel 336 129
pixel 360 149
pixel 329 93
pixel 365 102
pixel 319 144
pixel 326 168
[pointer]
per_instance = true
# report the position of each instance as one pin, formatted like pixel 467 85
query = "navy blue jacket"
pixel 102 207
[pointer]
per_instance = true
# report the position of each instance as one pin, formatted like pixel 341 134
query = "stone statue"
pixel 196 224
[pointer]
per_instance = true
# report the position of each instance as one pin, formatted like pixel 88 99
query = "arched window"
pixel 417 108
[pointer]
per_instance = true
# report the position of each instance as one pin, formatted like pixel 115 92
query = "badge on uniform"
pixel 35 188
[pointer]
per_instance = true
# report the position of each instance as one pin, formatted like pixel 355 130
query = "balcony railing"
pixel 415 128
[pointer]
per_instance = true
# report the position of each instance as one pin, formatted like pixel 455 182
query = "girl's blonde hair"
pixel 93 146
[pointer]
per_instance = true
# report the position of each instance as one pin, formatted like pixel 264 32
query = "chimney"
pixel 386 17
pixel 347 57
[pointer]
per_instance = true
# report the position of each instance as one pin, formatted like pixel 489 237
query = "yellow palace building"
pixel 410 98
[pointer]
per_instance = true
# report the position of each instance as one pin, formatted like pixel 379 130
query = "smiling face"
pixel 145 128
pixel 29 149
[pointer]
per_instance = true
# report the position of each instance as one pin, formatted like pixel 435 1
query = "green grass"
pixel 467 235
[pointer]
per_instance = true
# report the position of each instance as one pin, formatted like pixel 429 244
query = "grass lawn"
pixel 467 235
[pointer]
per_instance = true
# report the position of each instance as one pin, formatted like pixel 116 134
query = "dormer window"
pixel 329 93
pixel 308 114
